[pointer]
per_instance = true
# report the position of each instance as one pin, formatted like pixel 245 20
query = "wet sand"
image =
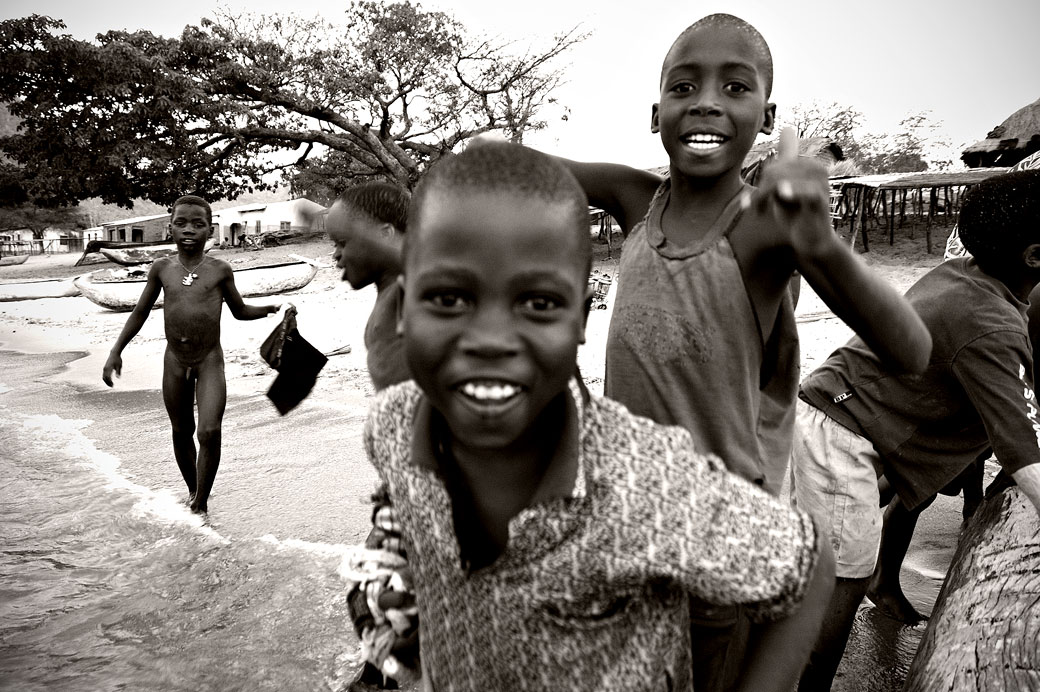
pixel 305 474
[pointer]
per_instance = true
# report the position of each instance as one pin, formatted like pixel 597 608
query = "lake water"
pixel 108 582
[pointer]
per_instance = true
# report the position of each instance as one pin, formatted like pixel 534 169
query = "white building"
pixel 231 223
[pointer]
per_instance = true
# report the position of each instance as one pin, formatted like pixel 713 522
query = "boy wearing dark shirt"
pixel 860 419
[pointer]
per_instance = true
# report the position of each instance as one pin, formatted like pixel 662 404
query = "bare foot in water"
pixel 893 603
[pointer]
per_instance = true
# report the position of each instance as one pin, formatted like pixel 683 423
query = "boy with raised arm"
pixel 859 418
pixel 703 332
pixel 554 536
pixel 195 287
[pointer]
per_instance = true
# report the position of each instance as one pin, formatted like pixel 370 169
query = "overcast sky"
pixel 970 62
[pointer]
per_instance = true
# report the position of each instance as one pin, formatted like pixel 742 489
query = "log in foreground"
pixel 984 633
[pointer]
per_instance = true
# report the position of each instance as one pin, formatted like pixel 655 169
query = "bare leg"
pixel 179 398
pixel 971 485
pixel 834 635
pixel 884 590
pixel 212 397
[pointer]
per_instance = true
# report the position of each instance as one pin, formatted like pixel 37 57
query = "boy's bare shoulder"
pixel 222 266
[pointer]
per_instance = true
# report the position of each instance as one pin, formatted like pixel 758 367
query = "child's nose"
pixel 490 334
pixel 706 102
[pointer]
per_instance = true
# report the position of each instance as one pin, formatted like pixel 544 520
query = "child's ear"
pixel 586 308
pixel 1031 255
pixel 387 230
pixel 655 122
pixel 770 119
pixel 400 305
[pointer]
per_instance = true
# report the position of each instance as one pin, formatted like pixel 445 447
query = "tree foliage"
pixel 39 219
pixel 917 145
pixel 230 102
pixel 833 121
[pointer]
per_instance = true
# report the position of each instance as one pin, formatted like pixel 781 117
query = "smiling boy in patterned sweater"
pixel 555 538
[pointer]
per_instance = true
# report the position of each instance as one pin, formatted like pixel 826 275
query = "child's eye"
pixel 447 301
pixel 737 87
pixel 540 304
pixel 682 88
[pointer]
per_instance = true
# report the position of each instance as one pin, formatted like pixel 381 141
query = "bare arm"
pixel 778 650
pixel 621 191
pixel 1028 480
pixel 240 310
pixel 134 322
pixel 794 189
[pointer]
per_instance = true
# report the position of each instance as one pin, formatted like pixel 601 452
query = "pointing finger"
pixel 787 150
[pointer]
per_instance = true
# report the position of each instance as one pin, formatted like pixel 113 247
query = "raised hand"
pixel 794 190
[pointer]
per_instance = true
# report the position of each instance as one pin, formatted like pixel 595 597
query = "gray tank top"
pixel 684 347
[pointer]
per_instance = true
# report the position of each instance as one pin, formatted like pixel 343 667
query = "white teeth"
pixel 489 392
pixel 703 141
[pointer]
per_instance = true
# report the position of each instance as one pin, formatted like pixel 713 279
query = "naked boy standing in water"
pixel 195 287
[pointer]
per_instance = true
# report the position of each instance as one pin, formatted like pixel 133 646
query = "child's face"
pixel 189 226
pixel 365 248
pixel 493 310
pixel 713 103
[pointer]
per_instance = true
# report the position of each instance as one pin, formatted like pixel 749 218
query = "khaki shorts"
pixel 834 476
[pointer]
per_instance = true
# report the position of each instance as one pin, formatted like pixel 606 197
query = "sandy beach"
pixel 304 476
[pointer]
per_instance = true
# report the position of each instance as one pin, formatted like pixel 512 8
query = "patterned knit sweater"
pixel 592 590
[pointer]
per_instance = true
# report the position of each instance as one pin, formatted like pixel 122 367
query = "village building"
pixel 140 229
pixel 232 224
pixel 20 241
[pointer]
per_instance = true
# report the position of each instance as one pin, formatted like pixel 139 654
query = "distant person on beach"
pixel 195 287
pixel 703 331
pixel 859 419
pixel 367 224
pixel 554 536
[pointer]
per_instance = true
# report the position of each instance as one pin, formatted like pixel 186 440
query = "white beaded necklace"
pixel 190 277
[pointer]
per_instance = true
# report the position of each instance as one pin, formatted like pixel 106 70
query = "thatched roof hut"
pixel 1009 142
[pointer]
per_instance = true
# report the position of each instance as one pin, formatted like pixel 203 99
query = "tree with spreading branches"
pixel 230 104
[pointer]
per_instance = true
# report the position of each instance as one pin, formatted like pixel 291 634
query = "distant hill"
pixel 100 213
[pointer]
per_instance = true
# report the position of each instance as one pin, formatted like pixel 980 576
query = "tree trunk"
pixel 984 633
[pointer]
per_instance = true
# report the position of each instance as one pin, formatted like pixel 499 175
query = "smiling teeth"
pixel 494 392
pixel 703 141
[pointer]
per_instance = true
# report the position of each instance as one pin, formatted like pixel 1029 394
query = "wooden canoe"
pixel 12 260
pixel 119 289
pixel 92 251
pixel 132 256
pixel 31 289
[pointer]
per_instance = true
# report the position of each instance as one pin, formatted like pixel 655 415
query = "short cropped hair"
pixel 196 201
pixel 1000 217
pixel 381 202
pixel 509 168
pixel 754 38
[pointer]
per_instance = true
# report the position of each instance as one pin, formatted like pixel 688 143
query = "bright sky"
pixel 970 63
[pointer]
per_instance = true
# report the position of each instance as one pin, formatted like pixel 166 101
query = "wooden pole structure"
pixel 892 219
pixel 864 210
pixel 933 200
pixel 854 198
pixel 984 633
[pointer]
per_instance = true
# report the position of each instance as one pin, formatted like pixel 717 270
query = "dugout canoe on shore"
pixel 11 260
pixel 119 289
pixel 31 289
pixel 132 256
